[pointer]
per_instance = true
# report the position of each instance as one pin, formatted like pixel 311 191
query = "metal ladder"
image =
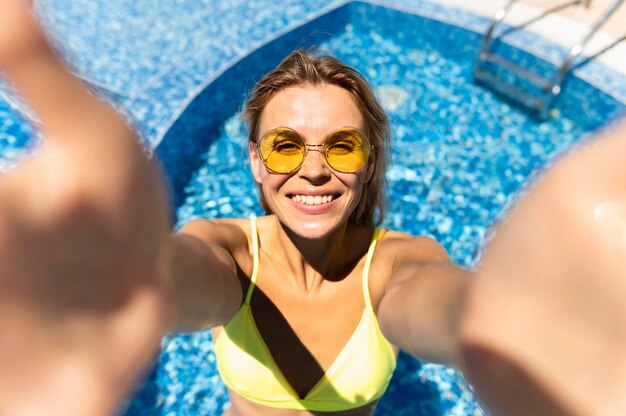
pixel 549 87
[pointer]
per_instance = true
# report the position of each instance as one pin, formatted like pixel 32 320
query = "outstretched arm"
pixel 544 330
pixel 421 308
pixel 202 275
pixel 82 231
pixel 540 327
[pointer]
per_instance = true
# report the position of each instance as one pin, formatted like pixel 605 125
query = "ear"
pixel 255 162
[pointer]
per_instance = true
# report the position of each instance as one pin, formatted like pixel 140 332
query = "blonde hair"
pixel 305 67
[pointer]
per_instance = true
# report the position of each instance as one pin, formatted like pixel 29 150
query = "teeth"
pixel 312 200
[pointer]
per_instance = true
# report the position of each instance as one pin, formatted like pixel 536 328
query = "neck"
pixel 314 261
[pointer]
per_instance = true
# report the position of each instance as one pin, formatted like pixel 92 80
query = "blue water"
pixel 459 156
pixel 17 137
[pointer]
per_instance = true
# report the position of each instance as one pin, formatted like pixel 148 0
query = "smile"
pixel 312 200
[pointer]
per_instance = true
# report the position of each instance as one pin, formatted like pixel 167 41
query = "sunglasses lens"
pixel 347 150
pixel 282 150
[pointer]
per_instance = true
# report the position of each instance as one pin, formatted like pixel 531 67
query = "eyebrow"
pixel 326 136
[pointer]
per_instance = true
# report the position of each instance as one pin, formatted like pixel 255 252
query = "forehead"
pixel 312 110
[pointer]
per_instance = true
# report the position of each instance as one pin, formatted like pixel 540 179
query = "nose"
pixel 314 166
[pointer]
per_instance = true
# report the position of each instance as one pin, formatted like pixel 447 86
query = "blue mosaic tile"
pixel 184 380
pixel 175 91
pixel 267 23
pixel 470 27
pixel 142 38
pixel 595 72
pixel 18 133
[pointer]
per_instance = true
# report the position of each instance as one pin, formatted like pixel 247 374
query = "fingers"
pixel 66 109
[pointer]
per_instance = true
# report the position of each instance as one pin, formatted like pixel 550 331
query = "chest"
pixel 306 330
pixel 310 335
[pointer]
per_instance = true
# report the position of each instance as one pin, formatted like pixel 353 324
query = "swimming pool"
pixel 459 155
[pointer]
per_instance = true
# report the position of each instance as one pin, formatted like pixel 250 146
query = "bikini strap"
pixel 366 270
pixel 255 258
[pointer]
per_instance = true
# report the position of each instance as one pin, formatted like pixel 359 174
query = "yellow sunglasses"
pixel 283 150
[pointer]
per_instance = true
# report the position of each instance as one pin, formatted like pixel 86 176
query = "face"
pixel 315 199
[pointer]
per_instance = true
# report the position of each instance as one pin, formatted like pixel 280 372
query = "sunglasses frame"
pixel 257 144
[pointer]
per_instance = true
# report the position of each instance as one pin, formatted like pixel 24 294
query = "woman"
pixel 307 336
pixel 91 276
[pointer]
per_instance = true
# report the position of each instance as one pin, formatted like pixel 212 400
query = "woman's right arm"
pixel 203 287
pixel 91 276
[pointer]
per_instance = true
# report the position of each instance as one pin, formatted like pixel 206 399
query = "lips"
pixel 313 203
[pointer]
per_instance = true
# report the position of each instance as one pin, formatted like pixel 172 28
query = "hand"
pixel 82 226
pixel 544 331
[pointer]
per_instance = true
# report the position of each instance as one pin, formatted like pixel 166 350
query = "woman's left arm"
pixel 541 327
pixel 420 309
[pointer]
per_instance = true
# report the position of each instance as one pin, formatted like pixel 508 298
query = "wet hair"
pixel 306 67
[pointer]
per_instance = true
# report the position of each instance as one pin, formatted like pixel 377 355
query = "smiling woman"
pixel 314 111
pixel 358 103
pixel 311 157
pixel 310 203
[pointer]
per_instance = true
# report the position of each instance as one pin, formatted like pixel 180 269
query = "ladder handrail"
pixel 497 18
pixel 575 52
pixel 600 52
pixel 503 12
pixel 552 87
pixel 534 19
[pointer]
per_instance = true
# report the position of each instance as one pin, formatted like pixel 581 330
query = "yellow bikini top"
pixel 359 375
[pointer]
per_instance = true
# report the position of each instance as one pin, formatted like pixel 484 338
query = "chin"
pixel 312 229
pixel 316 233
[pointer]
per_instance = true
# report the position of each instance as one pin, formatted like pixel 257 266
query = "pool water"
pixel 17 137
pixel 459 156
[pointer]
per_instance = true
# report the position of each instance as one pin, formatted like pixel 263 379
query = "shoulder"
pixel 232 234
pixel 216 228
pixel 217 231
pixel 397 248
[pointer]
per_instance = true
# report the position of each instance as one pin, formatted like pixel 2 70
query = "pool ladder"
pixel 549 88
